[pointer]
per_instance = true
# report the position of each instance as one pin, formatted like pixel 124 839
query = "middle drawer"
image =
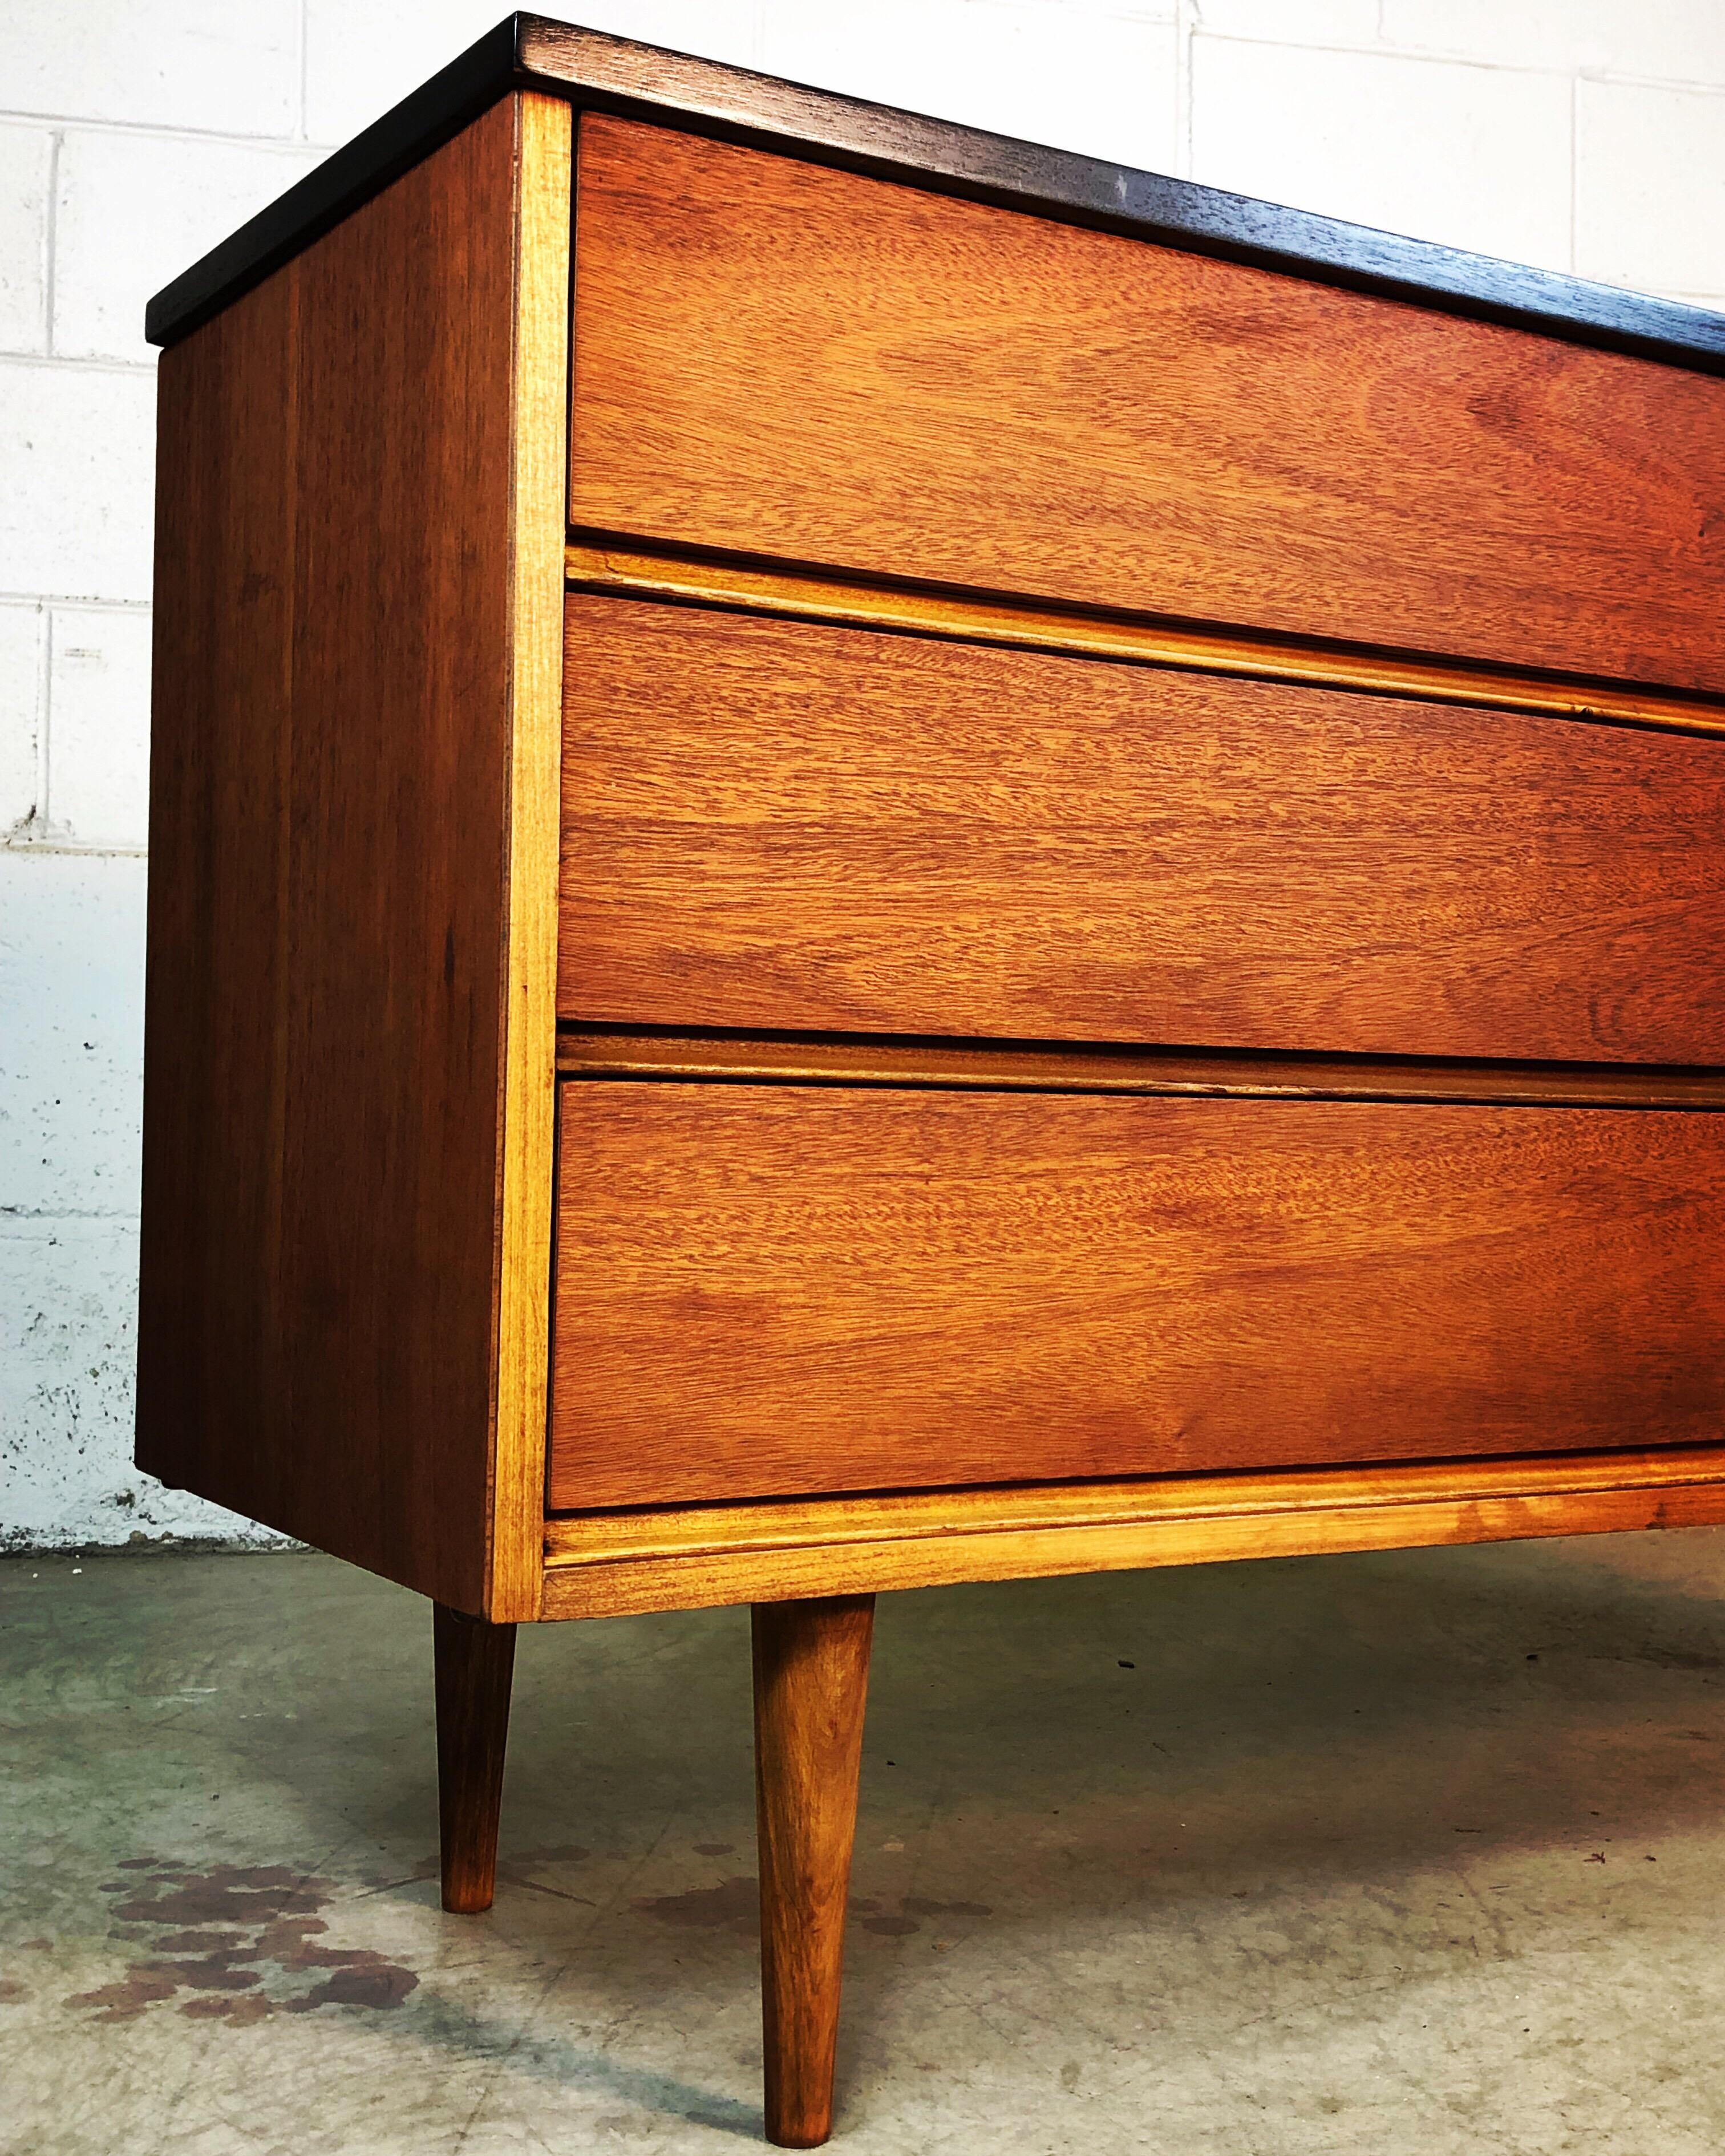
pixel 777 824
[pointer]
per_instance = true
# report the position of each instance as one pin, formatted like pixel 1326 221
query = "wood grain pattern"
pixel 474 1665
pixel 771 1290
pixel 811 1672
pixel 617 1564
pixel 804 595
pixel 790 361
pixel 1064 1067
pixel 539 384
pixel 329 893
pixel 782 824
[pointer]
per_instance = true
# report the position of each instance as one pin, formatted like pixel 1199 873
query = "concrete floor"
pixel 1423 1851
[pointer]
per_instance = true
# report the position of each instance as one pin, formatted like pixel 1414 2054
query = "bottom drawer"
pixel 770 1290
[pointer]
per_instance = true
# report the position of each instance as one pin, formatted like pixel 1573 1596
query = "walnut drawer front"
pixel 767 1290
pixel 782 825
pixel 779 359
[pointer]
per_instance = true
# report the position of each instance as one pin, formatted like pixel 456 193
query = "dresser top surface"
pixel 600 73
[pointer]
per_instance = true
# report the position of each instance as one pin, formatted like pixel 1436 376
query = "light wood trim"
pixel 601 568
pixel 700 1556
pixel 602 1537
pixel 1053 1066
pixel 543 164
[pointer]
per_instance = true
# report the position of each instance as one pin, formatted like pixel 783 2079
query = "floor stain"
pixel 242 1940
pixel 735 1901
pixel 889 1927
pixel 11 1991
pixel 556 1852
pixel 912 1908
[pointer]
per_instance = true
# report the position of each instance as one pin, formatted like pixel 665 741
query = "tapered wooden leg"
pixel 811 1684
pixel 475 1662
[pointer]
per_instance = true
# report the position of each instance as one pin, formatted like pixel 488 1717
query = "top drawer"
pixel 777 358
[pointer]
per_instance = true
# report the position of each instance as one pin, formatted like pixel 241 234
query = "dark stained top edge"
pixel 429 116
pixel 602 73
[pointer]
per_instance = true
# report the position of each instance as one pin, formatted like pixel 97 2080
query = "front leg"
pixel 811 1684
pixel 475 1663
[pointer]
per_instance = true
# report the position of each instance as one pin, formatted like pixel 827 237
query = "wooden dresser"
pixel 879 857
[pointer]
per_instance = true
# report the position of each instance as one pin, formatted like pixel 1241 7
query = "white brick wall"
pixel 1479 157
pixel 1586 134
pixel 26 175
pixel 132 210
pixel 1649 195
pixel 1082 78
pixel 204 67
pixel 23 698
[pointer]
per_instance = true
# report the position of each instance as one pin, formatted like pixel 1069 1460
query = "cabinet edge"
pixel 544 165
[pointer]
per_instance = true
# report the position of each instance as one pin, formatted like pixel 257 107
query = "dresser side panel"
pixel 329 839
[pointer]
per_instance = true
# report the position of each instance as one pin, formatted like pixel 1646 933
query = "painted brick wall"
pixel 1584 133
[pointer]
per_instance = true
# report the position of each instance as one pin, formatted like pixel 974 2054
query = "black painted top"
pixel 602 73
